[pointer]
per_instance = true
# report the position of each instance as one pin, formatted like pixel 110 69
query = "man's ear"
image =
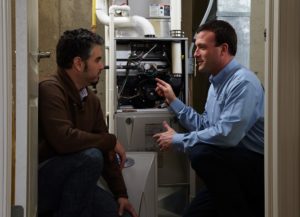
pixel 224 48
pixel 78 63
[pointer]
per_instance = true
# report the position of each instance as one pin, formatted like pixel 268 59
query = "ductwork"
pixel 128 21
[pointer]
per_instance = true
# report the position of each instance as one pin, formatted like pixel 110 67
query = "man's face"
pixel 207 54
pixel 93 65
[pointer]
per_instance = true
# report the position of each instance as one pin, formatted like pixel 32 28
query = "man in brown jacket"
pixel 75 148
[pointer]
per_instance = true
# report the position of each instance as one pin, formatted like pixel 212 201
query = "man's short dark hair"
pixel 224 33
pixel 75 43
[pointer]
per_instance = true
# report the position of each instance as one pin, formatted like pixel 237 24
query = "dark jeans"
pixel 67 187
pixel 234 180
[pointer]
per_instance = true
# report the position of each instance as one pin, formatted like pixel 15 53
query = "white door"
pixel 26 106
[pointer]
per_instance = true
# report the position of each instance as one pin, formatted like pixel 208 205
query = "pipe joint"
pixel 114 8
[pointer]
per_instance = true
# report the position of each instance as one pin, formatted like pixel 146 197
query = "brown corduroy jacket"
pixel 68 125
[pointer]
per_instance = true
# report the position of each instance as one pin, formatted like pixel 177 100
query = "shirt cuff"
pixel 177 142
pixel 177 105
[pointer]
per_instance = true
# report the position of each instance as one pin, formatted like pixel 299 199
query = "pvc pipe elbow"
pixel 145 24
pixel 134 21
pixel 113 8
pixel 103 17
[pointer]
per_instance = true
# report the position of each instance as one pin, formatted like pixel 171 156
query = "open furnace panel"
pixel 139 62
pixel 140 111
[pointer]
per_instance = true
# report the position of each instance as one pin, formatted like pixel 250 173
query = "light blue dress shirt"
pixel 234 112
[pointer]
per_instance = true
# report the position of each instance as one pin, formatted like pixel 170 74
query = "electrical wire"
pixel 136 61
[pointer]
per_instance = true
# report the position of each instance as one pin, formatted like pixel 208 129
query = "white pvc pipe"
pixel 176 46
pixel 111 74
pixel 176 58
pixel 106 37
pixel 147 27
pixel 175 14
pixel 134 21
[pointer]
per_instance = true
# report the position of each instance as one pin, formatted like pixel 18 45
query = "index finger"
pixel 161 82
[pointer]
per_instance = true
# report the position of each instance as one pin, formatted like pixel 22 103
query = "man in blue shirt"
pixel 226 143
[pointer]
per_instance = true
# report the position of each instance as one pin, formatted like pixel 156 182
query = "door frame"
pixel 5 108
pixel 282 122
pixel 282 190
pixel 26 101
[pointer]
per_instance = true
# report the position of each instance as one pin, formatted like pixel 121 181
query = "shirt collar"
pixel 224 73
pixel 70 87
pixel 83 93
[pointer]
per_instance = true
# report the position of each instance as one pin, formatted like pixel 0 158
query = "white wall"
pixel 5 108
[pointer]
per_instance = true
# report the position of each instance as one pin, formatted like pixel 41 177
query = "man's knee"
pixel 93 157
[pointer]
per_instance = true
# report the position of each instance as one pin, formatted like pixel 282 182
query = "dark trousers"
pixel 234 180
pixel 67 187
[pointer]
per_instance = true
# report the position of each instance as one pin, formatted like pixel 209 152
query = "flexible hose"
pixel 207 12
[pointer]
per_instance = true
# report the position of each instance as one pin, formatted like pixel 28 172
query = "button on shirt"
pixel 234 112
